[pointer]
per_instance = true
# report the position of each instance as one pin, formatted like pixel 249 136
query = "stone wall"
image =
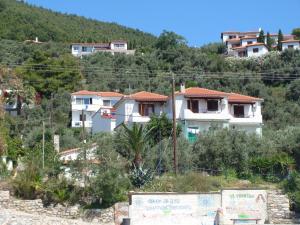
pixel 279 208
pixel 72 212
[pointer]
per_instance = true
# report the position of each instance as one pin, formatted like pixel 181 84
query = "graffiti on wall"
pixel 175 209
pixel 244 206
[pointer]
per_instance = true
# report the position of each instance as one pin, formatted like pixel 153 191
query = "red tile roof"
pixel 290 41
pixel 147 96
pixel 234 40
pixel 98 93
pixel 255 44
pixel 249 37
pixel 238 98
pixel 238 32
pixel 201 92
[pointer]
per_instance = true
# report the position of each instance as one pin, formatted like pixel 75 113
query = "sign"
pixel 244 206
pixel 174 209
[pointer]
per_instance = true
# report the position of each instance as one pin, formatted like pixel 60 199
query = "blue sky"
pixel 200 22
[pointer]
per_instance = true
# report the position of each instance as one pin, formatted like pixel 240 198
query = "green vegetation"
pixel 20 21
pixel 43 76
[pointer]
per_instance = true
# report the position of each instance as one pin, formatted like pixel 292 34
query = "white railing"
pixel 189 115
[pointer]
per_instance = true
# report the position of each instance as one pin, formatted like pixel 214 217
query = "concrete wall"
pixel 261 51
pixel 296 45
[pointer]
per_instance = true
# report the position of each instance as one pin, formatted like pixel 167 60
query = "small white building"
pixel 138 107
pixel 104 120
pixel 290 44
pixel 250 50
pixel 86 103
pixel 82 49
pixel 200 109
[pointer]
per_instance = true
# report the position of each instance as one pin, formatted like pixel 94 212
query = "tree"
pixel 296 32
pixel 261 37
pixel 135 140
pixel 270 41
pixel 293 91
pixel 280 39
pixel 169 40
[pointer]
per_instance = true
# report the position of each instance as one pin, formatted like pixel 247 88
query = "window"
pixel 290 46
pixel 119 45
pixel 238 111
pixel 249 42
pixel 84 117
pixel 212 105
pixel 255 50
pixel 84 49
pixel 193 132
pixel 146 109
pixel 106 102
pixel 193 105
pixel 76 48
pixel 84 101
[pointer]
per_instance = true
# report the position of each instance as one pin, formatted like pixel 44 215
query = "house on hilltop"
pixel 245 44
pixel 82 49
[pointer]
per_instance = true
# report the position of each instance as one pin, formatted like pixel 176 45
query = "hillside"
pixel 20 21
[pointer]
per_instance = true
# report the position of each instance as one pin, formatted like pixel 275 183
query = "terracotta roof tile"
pixel 147 96
pixel 249 37
pixel 290 41
pixel 234 40
pixel 98 93
pixel 201 92
pixel 235 98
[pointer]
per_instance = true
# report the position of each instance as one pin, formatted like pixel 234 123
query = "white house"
pixel 86 103
pixel 138 107
pixel 250 50
pixel 200 109
pixel 245 44
pixel 290 44
pixel 82 49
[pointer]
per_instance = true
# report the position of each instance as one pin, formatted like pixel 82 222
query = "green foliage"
pixel 296 32
pixel 280 39
pixel 261 37
pixel 134 141
pixel 270 42
pixel 292 187
pixel 139 177
pixel 21 21
pixel 168 40
pixel 293 90
pixel 184 183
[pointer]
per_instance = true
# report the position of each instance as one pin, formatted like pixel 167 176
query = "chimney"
pixel 36 39
pixel 182 87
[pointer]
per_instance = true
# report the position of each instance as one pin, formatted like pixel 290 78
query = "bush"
pixel 292 187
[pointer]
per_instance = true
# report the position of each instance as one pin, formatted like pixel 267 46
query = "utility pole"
pixel 43 144
pixel 174 125
pixel 83 125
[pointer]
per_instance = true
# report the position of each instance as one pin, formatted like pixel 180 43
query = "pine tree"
pixel 280 39
pixel 270 41
pixel 261 37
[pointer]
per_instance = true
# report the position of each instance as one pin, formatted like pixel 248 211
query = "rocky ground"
pixel 13 217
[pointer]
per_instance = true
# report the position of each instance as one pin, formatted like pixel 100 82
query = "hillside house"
pixel 86 103
pixel 245 44
pixel 200 109
pixel 290 44
pixel 82 49
pixel 13 102
pixel 138 107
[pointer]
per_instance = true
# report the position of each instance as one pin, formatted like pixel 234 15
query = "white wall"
pixel 261 51
pixel 296 45
pixel 244 42
pixel 101 123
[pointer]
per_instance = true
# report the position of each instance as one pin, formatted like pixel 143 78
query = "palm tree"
pixel 135 138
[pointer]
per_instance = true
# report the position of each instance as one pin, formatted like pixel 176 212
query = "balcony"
pixel 210 116
pixel 137 118
pixel 245 119
pixel 93 108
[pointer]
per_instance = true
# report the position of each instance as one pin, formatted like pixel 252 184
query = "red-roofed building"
pixel 200 109
pixel 245 44
pixel 118 46
pixel 138 107
pixel 86 103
